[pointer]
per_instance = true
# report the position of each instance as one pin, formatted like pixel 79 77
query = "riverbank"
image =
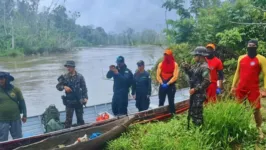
pixel 227 125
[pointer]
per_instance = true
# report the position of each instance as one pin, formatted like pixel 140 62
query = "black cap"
pixel 120 59
pixel 7 76
pixel 140 63
pixel 254 41
pixel 70 63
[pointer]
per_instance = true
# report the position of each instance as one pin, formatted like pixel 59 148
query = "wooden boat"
pixel 25 141
pixel 160 113
pixel 35 128
pixel 109 131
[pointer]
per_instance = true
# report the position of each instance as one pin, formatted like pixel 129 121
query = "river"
pixel 37 76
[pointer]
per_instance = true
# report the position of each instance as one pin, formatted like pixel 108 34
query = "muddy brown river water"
pixel 37 75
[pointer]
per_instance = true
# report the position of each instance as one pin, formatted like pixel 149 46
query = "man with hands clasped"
pixel 167 73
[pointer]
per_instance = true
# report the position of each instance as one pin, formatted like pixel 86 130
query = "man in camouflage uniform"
pixel 76 93
pixel 199 82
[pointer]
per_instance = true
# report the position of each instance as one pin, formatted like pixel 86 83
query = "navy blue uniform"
pixel 122 83
pixel 142 88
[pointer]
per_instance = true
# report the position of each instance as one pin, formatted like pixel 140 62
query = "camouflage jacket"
pixel 76 83
pixel 199 76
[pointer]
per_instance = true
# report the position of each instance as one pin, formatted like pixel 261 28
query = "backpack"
pixel 50 119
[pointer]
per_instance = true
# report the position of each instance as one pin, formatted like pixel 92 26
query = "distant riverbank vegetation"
pixel 25 29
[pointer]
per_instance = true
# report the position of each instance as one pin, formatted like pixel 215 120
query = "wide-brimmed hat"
pixel 6 75
pixel 70 63
pixel 200 50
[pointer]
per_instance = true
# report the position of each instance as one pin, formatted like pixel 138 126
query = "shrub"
pixel 226 124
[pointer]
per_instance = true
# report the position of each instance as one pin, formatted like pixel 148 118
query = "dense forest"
pixel 229 24
pixel 25 29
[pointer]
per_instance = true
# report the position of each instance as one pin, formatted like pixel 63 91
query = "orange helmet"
pixel 211 46
pixel 168 51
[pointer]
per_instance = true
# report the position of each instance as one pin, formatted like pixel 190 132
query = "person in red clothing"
pixel 216 73
pixel 167 73
pixel 246 80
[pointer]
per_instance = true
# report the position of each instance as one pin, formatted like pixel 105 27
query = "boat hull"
pixel 26 141
pixel 90 114
pixel 109 131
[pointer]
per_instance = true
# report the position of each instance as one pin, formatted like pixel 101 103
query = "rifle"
pixel 76 92
pixel 190 104
pixel 191 85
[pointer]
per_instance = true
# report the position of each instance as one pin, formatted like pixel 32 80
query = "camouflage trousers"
pixel 196 111
pixel 69 115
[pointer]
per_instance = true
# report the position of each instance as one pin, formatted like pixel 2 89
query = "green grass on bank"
pixel 227 125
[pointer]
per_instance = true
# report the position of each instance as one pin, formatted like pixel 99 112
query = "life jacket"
pixel 102 117
pixel 51 119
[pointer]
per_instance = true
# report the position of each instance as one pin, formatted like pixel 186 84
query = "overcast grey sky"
pixel 117 15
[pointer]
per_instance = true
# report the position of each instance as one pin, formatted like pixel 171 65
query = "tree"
pixel 229 24
pixel 26 29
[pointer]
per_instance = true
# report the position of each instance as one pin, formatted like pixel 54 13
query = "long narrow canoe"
pixel 160 113
pixel 26 141
pixel 111 130
pixel 108 132
pixel 34 128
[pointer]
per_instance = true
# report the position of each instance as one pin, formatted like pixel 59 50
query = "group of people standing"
pixel 246 83
pixel 140 83
pixel 167 74
pixel 205 79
